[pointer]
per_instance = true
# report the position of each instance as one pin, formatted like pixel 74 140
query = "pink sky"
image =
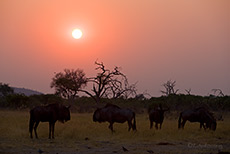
pixel 153 41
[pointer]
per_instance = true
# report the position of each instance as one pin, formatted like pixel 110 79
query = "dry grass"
pixel 82 135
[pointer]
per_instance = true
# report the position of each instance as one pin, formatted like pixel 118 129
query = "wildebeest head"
pixel 161 110
pixel 64 113
pixel 211 125
pixel 210 120
pixel 158 110
pixel 97 116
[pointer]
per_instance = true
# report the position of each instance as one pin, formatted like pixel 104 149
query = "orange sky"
pixel 153 41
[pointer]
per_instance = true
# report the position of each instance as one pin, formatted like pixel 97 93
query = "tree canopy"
pixel 68 83
pixel 5 89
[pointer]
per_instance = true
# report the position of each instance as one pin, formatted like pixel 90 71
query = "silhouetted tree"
pixel 5 90
pixel 169 88
pixel 120 88
pixel 218 92
pixel 188 91
pixel 130 90
pixel 109 84
pixel 142 96
pixel 68 83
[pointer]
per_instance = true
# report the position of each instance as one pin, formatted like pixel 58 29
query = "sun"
pixel 77 33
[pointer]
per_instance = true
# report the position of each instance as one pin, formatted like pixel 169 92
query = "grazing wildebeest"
pixel 201 115
pixel 157 115
pixel 50 113
pixel 112 113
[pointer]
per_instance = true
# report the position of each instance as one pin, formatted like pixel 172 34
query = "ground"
pixel 82 135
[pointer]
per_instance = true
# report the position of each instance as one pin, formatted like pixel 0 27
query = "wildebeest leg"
pixel 151 124
pixel 111 126
pixel 35 129
pixel 160 125
pixel 52 131
pixel 31 128
pixel 156 125
pixel 51 125
pixel 50 128
pixel 183 123
pixel 205 126
pixel 130 124
pixel 202 124
pixel 134 122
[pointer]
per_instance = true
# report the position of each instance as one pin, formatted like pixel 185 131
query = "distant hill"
pixel 26 92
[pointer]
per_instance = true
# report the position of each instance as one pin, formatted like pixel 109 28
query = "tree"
pixel 5 90
pixel 130 90
pixel 142 96
pixel 109 84
pixel 68 83
pixel 188 91
pixel 218 92
pixel 169 88
pixel 120 88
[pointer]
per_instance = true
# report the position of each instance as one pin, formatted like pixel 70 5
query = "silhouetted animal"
pixel 112 113
pixel 150 151
pixel 40 151
pixel 201 115
pixel 50 113
pixel 157 115
pixel 124 149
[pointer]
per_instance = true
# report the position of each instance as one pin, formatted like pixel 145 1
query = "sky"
pixel 153 41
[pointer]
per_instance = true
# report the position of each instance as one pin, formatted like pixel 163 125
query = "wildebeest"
pixel 112 113
pixel 50 113
pixel 157 115
pixel 201 115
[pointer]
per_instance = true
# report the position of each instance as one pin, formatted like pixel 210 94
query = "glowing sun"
pixel 77 33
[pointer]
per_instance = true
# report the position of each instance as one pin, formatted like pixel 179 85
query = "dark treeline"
pixel 110 86
pixel 175 102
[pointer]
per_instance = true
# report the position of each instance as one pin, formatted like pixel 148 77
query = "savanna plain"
pixel 82 135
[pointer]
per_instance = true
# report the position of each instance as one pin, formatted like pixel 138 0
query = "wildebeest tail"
pixel 31 123
pixel 134 122
pixel 179 121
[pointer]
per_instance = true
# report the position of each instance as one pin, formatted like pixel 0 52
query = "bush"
pixel 17 101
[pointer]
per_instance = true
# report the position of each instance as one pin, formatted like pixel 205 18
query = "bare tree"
pixel 169 88
pixel 188 91
pixel 142 96
pixel 130 90
pixel 121 88
pixel 218 92
pixel 107 83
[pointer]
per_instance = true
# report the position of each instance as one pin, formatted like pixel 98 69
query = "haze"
pixel 152 40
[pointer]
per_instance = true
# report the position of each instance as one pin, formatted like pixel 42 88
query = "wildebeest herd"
pixel 112 113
